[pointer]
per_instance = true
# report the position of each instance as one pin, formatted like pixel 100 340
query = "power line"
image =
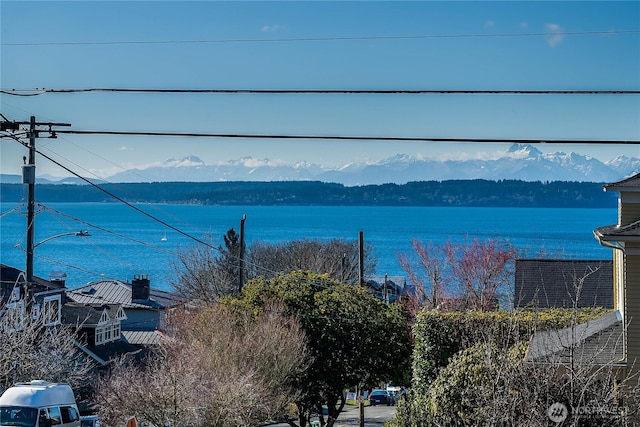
pixel 42 91
pixel 351 138
pixel 322 39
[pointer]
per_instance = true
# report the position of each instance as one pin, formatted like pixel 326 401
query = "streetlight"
pixel 81 233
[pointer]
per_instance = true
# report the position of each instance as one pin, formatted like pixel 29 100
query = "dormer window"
pixel 108 328
pixel 51 310
pixel 104 318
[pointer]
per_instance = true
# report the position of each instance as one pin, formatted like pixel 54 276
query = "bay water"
pixel 124 242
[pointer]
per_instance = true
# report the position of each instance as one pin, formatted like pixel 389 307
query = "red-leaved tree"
pixel 482 269
pixel 456 276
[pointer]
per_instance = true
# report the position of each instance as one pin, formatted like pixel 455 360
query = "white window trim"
pixel 36 310
pixel 108 332
pixel 120 315
pixel 15 294
pixel 46 310
pixel 104 318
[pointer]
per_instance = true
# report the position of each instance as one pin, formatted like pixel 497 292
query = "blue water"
pixel 110 253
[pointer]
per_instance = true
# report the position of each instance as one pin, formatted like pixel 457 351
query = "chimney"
pixel 59 278
pixel 140 288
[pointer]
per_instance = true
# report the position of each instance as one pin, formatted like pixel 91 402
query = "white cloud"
pixel 271 28
pixel 524 24
pixel 125 148
pixel 555 35
pixel 489 24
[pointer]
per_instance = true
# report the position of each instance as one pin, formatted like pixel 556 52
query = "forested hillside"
pixel 507 193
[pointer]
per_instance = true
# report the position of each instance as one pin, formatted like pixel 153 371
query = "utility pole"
pixel 241 278
pixel 29 176
pixel 361 257
pixel 384 289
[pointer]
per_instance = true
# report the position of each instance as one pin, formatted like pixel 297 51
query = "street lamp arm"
pixel 81 233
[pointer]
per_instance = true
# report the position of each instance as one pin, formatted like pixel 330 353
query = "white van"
pixel 39 404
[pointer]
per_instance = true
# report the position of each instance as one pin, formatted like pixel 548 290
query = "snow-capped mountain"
pixel 521 162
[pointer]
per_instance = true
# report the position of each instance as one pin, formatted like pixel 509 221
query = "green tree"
pixel 353 337
pixel 229 260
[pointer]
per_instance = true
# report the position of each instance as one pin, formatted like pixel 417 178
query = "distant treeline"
pixel 479 192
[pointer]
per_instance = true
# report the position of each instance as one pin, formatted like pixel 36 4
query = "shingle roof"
pixel 113 349
pixel 598 342
pixel 8 277
pixel 85 314
pixel 617 232
pixel 546 283
pixel 632 183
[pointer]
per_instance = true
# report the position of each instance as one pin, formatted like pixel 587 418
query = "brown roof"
pixel 547 283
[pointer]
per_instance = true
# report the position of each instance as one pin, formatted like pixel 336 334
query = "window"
pixel 116 331
pixel 99 335
pixel 19 416
pixel 51 310
pixel 15 316
pixel 35 311
pixel 15 294
pixel 69 414
pixel 54 415
pixel 107 333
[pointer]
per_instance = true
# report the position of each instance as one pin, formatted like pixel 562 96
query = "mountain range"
pixel 520 162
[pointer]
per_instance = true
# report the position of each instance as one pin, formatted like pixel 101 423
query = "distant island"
pixel 463 193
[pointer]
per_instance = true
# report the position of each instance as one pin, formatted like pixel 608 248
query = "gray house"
pixel 145 308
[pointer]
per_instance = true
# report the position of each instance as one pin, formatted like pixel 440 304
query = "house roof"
pixel 117 292
pixel 618 232
pixel 8 277
pixel 111 350
pixel 86 314
pixel 598 342
pixel 546 283
pixel 631 183
pixel 142 337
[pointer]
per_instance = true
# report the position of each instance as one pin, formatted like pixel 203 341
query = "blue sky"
pixel 544 45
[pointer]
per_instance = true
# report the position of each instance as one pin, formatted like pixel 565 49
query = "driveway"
pixel 374 416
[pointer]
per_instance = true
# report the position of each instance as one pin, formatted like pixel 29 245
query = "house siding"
pixel 632 308
pixel 629 212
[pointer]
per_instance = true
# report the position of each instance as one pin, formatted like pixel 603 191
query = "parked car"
pixel 90 421
pixel 381 397
pixel 39 404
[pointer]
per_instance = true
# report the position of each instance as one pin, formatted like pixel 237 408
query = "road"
pixel 374 416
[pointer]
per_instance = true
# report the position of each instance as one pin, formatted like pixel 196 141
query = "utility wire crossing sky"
pixel 387 72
